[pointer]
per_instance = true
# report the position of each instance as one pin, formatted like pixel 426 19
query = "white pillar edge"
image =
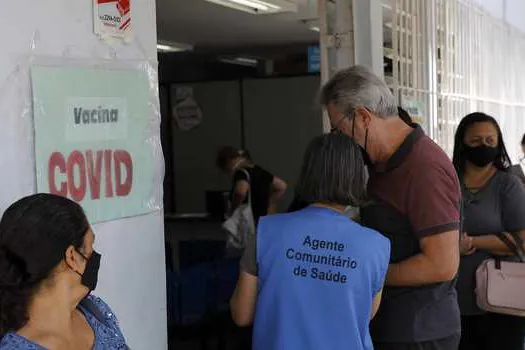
pixel 368 34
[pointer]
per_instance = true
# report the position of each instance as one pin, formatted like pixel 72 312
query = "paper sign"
pixel 91 139
pixel 186 111
pixel 314 59
pixel 112 17
pixel 416 109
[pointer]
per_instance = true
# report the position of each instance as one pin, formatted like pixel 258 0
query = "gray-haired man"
pixel 416 199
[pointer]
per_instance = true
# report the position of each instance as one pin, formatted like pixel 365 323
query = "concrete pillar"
pixel 368 34
pixel 357 37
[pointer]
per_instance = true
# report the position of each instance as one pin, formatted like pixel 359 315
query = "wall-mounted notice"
pixel 186 110
pixel 92 140
pixel 112 17
pixel 416 109
pixel 314 59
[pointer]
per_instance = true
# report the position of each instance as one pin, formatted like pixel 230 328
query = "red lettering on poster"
pixel 94 169
pixel 57 161
pixel 77 193
pixel 123 160
pixel 84 174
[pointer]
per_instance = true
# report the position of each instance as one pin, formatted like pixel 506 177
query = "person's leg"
pixel 392 346
pixel 505 332
pixel 449 343
pixel 473 332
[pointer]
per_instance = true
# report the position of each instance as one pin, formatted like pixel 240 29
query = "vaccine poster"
pixel 112 17
pixel 92 140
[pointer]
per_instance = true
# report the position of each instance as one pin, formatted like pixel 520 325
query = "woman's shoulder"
pixel 508 181
pixel 99 303
pixel 101 317
pixel 13 341
pixel 100 310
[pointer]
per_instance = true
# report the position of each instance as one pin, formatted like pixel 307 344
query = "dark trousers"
pixel 492 332
pixel 450 343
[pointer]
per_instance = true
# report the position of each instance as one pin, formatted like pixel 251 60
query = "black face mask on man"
pixel 364 153
pixel 481 156
pixel 89 278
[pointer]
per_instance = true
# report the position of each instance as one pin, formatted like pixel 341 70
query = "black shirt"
pixel 260 187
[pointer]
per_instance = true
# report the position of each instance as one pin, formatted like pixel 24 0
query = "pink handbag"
pixel 500 285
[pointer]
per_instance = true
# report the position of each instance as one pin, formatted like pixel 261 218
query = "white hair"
pixel 356 87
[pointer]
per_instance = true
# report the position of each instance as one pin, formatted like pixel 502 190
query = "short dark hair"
pixel 228 153
pixel 523 140
pixel 502 161
pixel 333 172
pixel 35 233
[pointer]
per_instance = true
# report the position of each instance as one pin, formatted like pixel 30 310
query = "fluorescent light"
pixel 245 60
pixel 260 5
pixel 173 47
pixel 315 29
pixel 256 6
pixel 241 61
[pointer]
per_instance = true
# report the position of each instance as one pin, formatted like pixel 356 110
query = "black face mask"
pixel 364 153
pixel 90 275
pixel 481 156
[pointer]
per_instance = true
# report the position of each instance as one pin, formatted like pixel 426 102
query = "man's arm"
pixel 433 208
pixel 437 262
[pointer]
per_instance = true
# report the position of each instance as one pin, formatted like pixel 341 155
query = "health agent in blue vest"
pixel 312 279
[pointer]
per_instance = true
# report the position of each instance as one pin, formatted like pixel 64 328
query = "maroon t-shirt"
pixel 415 194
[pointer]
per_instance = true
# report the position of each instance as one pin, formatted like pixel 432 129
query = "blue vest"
pixel 318 273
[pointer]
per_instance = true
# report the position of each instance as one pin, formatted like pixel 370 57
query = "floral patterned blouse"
pixel 107 334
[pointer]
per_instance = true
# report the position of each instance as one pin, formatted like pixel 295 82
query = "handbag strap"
pixel 516 244
pixel 250 183
pixel 515 247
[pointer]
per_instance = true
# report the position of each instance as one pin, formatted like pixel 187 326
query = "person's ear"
pixel 74 260
pixel 364 115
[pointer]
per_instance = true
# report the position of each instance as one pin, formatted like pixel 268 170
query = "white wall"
pixel 132 276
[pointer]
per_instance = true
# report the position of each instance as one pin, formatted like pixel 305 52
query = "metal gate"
pixel 450 58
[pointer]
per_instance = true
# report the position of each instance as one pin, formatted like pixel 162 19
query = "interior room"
pixel 232 73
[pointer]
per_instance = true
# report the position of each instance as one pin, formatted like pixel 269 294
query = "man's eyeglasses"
pixel 335 129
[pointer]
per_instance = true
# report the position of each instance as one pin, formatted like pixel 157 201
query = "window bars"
pixel 447 58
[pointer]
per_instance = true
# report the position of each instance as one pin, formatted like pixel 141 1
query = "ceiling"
pixel 203 24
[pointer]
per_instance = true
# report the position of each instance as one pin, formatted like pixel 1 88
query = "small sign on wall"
pixel 314 59
pixel 416 109
pixel 112 17
pixel 186 111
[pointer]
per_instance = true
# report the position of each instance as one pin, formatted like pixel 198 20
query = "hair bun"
pixel 12 273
